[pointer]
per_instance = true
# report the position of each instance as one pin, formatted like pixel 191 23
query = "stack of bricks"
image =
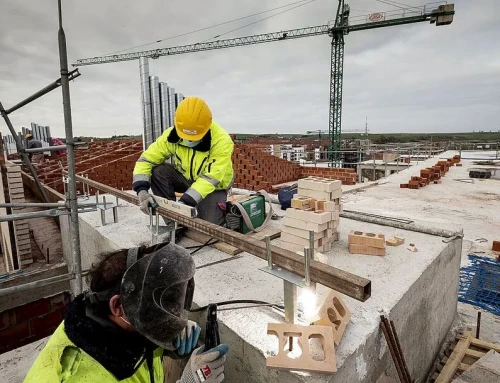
pixel 22 239
pixel 316 207
pixel 257 170
pixel 366 243
pixel 432 174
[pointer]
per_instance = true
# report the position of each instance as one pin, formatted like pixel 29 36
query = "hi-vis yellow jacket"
pixel 63 362
pixel 208 165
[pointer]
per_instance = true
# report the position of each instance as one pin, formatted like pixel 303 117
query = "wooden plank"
pixel 486 345
pixel 474 354
pixel 337 279
pixel 228 249
pixel 455 358
pixel 461 367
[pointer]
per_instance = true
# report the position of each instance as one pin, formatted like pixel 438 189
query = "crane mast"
pixel 442 15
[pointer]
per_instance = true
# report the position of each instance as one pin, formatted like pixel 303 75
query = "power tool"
pixel 212 338
pixel 249 214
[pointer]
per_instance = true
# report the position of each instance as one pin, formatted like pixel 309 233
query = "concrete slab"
pixel 485 370
pixel 15 364
pixel 417 290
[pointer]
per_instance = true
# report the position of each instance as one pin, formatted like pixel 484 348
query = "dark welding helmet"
pixel 155 292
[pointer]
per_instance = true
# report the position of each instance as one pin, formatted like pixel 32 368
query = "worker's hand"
pixel 206 366
pixel 187 340
pixel 145 200
pixel 186 199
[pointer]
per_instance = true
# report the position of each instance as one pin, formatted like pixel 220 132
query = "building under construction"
pixel 382 266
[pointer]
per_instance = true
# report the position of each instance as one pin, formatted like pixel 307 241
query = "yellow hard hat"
pixel 28 136
pixel 193 118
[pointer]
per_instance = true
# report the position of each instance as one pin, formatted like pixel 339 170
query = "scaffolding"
pixel 70 206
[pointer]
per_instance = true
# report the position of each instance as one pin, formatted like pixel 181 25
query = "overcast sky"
pixel 412 78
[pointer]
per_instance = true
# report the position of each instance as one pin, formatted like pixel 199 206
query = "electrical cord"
pixel 237 301
pixel 199 247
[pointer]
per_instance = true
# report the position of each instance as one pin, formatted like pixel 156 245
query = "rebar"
pixel 400 351
pixel 392 349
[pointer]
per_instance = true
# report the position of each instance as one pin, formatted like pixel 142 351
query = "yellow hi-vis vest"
pixel 62 362
pixel 208 165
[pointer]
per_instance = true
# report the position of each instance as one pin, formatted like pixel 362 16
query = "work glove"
pixel 145 201
pixel 207 367
pixel 187 340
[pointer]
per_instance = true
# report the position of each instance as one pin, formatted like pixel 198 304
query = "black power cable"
pixel 235 302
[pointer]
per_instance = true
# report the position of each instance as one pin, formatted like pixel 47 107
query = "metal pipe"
pixel 35 204
pixel 478 324
pixel 400 225
pixel 23 155
pixel 73 74
pixel 31 285
pixel 70 152
pixel 46 149
pixel 35 214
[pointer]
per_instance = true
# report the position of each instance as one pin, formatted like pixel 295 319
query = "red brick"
pixel 7 319
pixel 46 322
pixel 32 310
pixel 496 246
pixel 12 335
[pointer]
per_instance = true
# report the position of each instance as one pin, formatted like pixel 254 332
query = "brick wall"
pixel 28 323
pixel 112 163
pixel 256 170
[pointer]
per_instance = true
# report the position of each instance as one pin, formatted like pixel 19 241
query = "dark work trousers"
pixel 166 180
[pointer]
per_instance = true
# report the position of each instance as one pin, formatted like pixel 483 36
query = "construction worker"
pixel 202 168
pixel 36 158
pixel 133 315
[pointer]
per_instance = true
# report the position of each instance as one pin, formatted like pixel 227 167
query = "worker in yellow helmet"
pixel 201 167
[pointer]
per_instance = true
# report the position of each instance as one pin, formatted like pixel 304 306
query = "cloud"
pixel 412 78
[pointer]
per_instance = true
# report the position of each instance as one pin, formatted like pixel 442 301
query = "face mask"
pixel 126 321
pixel 190 144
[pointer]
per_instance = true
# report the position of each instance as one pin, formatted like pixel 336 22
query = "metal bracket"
pixel 106 206
pixel 286 275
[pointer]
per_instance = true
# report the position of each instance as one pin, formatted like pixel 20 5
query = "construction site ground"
pixel 451 205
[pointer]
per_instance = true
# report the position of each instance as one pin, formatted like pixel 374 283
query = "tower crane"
pixel 442 15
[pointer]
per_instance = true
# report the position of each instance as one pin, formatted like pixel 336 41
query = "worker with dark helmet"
pixel 133 315
pixel 201 167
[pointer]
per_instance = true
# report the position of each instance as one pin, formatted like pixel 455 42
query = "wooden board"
pixel 451 366
pixel 229 249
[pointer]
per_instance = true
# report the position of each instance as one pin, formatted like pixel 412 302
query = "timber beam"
pixel 342 281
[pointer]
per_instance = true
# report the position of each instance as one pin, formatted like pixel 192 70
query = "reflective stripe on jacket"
pixel 62 362
pixel 208 165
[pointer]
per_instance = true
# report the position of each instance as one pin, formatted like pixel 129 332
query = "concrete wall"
pixel 425 314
